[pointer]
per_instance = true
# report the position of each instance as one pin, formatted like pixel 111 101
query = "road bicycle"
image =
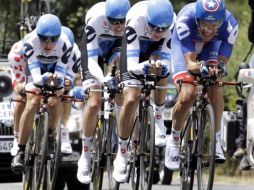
pixel 141 145
pixel 43 150
pixel 197 144
pixel 104 146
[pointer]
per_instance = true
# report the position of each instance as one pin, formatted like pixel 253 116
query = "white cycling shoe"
pixel 172 160
pixel 83 173
pixel 120 168
pixel 65 141
pixel 219 155
pixel 15 148
pixel 160 133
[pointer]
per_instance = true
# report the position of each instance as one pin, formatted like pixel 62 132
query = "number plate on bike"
pixel 5 145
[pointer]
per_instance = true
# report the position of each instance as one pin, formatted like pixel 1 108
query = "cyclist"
pixel 205 31
pixel 18 64
pixel 72 70
pixel 148 35
pixel 47 53
pixel 104 29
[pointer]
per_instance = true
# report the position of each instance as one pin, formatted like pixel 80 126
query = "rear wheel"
pixel 54 161
pixel 147 156
pixel 206 150
pixel 40 138
pixel 187 160
pixel 98 157
pixel 29 158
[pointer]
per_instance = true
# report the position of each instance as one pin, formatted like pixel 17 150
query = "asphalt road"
pixel 173 186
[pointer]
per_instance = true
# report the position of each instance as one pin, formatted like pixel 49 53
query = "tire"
pixel 110 151
pixel 135 156
pixel 147 156
pixel 206 150
pixel 54 162
pixel 40 139
pixel 187 150
pixel 99 148
pixel 29 158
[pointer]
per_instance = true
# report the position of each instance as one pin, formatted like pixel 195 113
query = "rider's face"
pixel 48 46
pixel 116 25
pixel 48 43
pixel 208 29
pixel 156 33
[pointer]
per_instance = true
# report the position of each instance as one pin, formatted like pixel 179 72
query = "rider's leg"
pixel 126 118
pixel 159 100
pixel 65 139
pixel 26 123
pixel 18 110
pixel 186 98
pixel 217 102
pixel 89 125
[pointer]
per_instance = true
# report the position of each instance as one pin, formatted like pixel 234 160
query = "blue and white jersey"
pixel 139 39
pixel 186 31
pixel 39 61
pixel 74 62
pixel 100 38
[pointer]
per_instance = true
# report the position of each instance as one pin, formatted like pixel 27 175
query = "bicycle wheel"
pixel 147 156
pixel 206 149
pixel 54 161
pixel 133 148
pixel 97 156
pixel 187 154
pixel 110 150
pixel 29 158
pixel 40 138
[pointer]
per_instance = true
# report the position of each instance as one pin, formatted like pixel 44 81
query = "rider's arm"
pixel 229 38
pixel 17 63
pixel 93 50
pixel 74 62
pixel 32 62
pixel 133 49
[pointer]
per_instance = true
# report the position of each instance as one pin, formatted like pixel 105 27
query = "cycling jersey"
pixel 40 62
pixel 186 38
pixel 140 46
pixel 74 62
pixel 102 44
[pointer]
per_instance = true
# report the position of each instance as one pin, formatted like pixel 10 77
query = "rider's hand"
pixel 148 68
pixel 67 84
pixel 78 92
pixel 46 78
pixel 222 69
pixel 161 69
pixel 204 69
pixel 111 82
pixel 58 81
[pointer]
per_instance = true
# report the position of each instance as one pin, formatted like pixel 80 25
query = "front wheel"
pixel 206 150
pixel 147 155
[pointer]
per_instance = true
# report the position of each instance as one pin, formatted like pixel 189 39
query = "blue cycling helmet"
pixel 210 10
pixel 48 25
pixel 69 34
pixel 160 13
pixel 117 9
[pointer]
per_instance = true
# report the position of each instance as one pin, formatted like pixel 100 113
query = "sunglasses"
pixel 47 39
pixel 114 21
pixel 213 25
pixel 156 28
